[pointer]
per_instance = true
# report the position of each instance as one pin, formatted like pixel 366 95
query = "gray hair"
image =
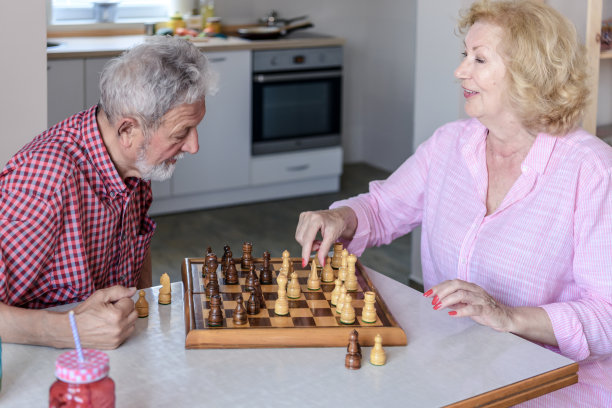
pixel 153 78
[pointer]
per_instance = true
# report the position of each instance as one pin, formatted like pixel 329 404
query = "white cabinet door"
pixel 93 68
pixel 64 89
pixel 224 135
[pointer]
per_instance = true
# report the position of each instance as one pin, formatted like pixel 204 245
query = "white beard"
pixel 159 172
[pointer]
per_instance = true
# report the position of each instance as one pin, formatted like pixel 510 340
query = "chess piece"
pixel 342 271
pixel 293 290
pixel 368 314
pixel 316 260
pixel 249 283
pixel 212 288
pixel 281 305
pixel 240 313
pixel 351 278
pixel 348 311
pixel 336 259
pixel 286 265
pixel 265 275
pixel 281 280
pixel 341 299
pixel 225 264
pixel 259 292
pixel 142 306
pixel 335 293
pixel 226 249
pixel 313 279
pixel 231 273
pixel 247 259
pixel 215 315
pixel 377 355
pixel 327 275
pixel 165 296
pixel 208 251
pixel 253 303
pixel 352 360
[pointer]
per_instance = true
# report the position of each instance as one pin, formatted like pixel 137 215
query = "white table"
pixel 446 360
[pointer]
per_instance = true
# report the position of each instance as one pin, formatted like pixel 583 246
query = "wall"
pixel 23 74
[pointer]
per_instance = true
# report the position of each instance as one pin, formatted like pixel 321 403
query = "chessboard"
pixel 312 320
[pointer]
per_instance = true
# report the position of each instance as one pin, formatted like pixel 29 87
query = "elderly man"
pixel 74 201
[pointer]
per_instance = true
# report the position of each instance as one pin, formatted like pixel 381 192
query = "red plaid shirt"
pixel 68 223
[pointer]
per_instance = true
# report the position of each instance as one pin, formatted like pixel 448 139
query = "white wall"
pixel 23 74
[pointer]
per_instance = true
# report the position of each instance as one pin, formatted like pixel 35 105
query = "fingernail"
pixel 436 307
pixel 435 300
pixel 428 293
pixel 304 262
pixel 452 313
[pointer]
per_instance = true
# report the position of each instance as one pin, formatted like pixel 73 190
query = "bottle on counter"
pixel 207 10
pixel 176 21
pixel 83 384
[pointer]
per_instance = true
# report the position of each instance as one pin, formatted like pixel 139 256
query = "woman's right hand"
pixel 340 222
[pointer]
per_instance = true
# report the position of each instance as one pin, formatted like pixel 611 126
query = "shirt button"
pixel 524 168
pixel 112 194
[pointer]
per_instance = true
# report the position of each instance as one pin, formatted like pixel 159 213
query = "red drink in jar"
pixel 82 384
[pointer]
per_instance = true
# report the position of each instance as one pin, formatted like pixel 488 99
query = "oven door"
pixel 296 110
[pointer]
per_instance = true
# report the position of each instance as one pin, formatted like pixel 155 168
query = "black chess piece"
pixel 260 296
pixel 231 274
pixel 247 259
pixel 215 315
pixel 251 278
pixel 265 275
pixel 240 313
pixel 253 303
pixel 212 287
pixel 352 360
pixel 226 248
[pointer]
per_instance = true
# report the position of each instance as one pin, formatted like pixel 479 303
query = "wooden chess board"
pixel 312 320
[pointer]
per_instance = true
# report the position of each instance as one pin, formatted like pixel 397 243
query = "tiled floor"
pixel 269 226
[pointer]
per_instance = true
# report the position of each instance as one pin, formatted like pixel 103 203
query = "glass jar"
pixel 83 384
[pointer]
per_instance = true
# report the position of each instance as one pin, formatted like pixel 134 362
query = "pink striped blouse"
pixel 549 243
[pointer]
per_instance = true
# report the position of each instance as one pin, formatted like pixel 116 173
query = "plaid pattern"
pixel 68 223
pixel 548 244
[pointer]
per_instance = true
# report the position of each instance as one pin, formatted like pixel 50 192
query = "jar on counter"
pixel 176 21
pixel 213 26
pixel 83 384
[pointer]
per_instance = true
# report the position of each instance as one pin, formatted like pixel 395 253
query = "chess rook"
pixel 247 258
pixel 368 314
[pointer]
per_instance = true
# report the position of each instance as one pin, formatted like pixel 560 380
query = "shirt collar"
pixel 94 145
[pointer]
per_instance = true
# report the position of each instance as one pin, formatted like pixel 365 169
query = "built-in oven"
pixel 297 99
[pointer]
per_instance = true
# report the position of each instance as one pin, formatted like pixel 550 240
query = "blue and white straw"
pixel 75 334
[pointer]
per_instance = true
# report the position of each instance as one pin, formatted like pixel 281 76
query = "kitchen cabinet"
pixel 93 69
pixel 224 135
pixel 65 89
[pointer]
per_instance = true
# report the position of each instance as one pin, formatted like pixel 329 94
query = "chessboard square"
pixel 355 323
pixel 227 297
pixel 259 322
pixel 281 321
pixel 229 305
pixel 303 280
pixel 269 288
pixel 297 304
pixel 322 312
pixel 231 289
pixel 300 312
pixel 358 303
pixel 314 295
pixel 377 323
pixel 318 304
pixel 326 321
pixel 327 288
pixel 270 296
pixel 303 321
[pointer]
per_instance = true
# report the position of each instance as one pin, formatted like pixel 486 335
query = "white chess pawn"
pixel 368 314
pixel 343 266
pixel 341 299
pixel 281 305
pixel 351 278
pixel 327 275
pixel 348 311
pixel 294 290
pixel 335 293
pixel 377 355
pixel 313 279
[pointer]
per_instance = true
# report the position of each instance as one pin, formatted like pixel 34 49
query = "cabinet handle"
pixel 216 59
pixel 300 167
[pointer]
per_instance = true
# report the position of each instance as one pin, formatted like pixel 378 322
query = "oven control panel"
pixel 297 59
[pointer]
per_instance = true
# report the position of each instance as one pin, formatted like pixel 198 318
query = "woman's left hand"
pixel 470 300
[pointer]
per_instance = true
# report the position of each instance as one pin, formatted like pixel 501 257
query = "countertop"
pixel 110 46
pixel 446 360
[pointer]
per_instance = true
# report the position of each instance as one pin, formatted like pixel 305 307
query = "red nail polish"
pixel 428 293
pixel 304 262
pixel 435 300
pixel 439 305
pixel 452 313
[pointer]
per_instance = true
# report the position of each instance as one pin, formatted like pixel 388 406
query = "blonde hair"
pixel 546 64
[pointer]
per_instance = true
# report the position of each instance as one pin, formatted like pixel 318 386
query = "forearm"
pixel 34 327
pixel 532 323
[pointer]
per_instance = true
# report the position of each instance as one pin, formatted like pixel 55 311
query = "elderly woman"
pixel 74 201
pixel 515 203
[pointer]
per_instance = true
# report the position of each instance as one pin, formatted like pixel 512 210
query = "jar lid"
pixel 69 369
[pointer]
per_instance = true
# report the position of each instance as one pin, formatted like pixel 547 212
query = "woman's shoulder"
pixel 587 149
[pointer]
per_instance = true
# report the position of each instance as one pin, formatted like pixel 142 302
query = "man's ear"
pixel 128 131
